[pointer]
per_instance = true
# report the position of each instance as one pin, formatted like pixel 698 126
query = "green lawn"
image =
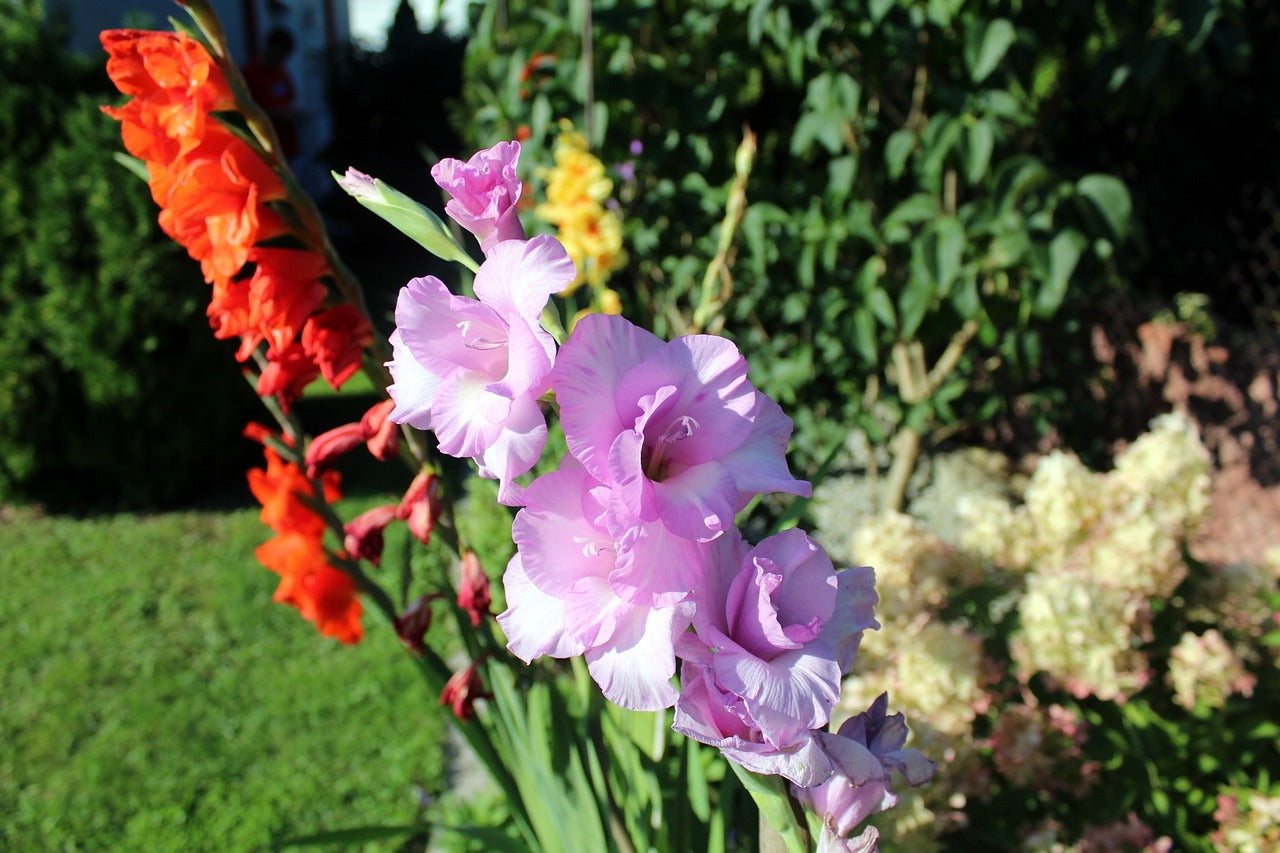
pixel 154 698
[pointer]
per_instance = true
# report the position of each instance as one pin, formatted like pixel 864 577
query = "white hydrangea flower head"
pixel 914 567
pixel 1064 501
pixel 1168 470
pixel 936 675
pixel 1081 634
pixel 1204 670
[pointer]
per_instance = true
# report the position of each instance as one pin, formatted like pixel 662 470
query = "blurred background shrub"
pixel 983 173
pixel 113 392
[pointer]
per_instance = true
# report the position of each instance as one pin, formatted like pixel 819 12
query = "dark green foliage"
pixel 109 371
pixel 389 119
pixel 903 185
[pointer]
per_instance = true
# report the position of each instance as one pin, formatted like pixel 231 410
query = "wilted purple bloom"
pixel 472 370
pixel 772 638
pixel 485 191
pixel 864 752
pixel 675 427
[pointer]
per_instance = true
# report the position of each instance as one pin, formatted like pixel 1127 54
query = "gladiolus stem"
pixel 776 812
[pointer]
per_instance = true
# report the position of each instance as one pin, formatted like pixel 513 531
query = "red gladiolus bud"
pixel 411 626
pixel 364 533
pixel 259 432
pixel 462 691
pixel 382 435
pixel 473 589
pixel 326 447
pixel 420 506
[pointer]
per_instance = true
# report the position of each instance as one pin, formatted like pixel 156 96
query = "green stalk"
pixel 776 812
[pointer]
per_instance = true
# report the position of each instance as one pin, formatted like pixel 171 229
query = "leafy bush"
pixel 902 194
pixel 101 311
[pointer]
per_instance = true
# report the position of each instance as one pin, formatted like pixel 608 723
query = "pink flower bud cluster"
pixel 628 553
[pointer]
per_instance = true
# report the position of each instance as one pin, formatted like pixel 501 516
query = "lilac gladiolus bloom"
pixel 472 370
pixel 772 638
pixel 675 427
pixel 864 752
pixel 485 190
pixel 561 593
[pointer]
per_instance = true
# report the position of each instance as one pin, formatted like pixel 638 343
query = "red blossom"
pixel 336 339
pixel 286 375
pixel 284 291
pixel 282 489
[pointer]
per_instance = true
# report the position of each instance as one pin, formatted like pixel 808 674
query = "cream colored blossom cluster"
pixel 1124 527
pixel 1083 634
pixel 1248 822
pixel 577 192
pixel 1078 554
pixel 1204 670
pixel 915 569
pixel 1096 547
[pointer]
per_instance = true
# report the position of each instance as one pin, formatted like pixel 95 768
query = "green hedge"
pixel 112 390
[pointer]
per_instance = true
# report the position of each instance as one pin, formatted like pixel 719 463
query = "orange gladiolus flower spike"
pixel 308 582
pixel 281 488
pixel 175 84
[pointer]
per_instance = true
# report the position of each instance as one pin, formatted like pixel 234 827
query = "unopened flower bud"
pixel 462 691
pixel 413 219
pixel 420 506
pixel 411 626
pixel 326 447
pixel 473 589
pixel 364 538
pixel 381 435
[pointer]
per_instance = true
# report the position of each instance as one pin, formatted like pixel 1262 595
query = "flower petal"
pixel 759 464
pixel 533 621
pixel 634 668
pixel 413 387
pixel 588 369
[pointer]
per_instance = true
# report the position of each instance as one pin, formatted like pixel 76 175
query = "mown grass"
pixel 154 698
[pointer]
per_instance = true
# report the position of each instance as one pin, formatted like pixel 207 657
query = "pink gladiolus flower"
pixel 676 427
pixel 472 370
pixel 773 630
pixel 485 191
pixel 865 751
pixel 561 595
